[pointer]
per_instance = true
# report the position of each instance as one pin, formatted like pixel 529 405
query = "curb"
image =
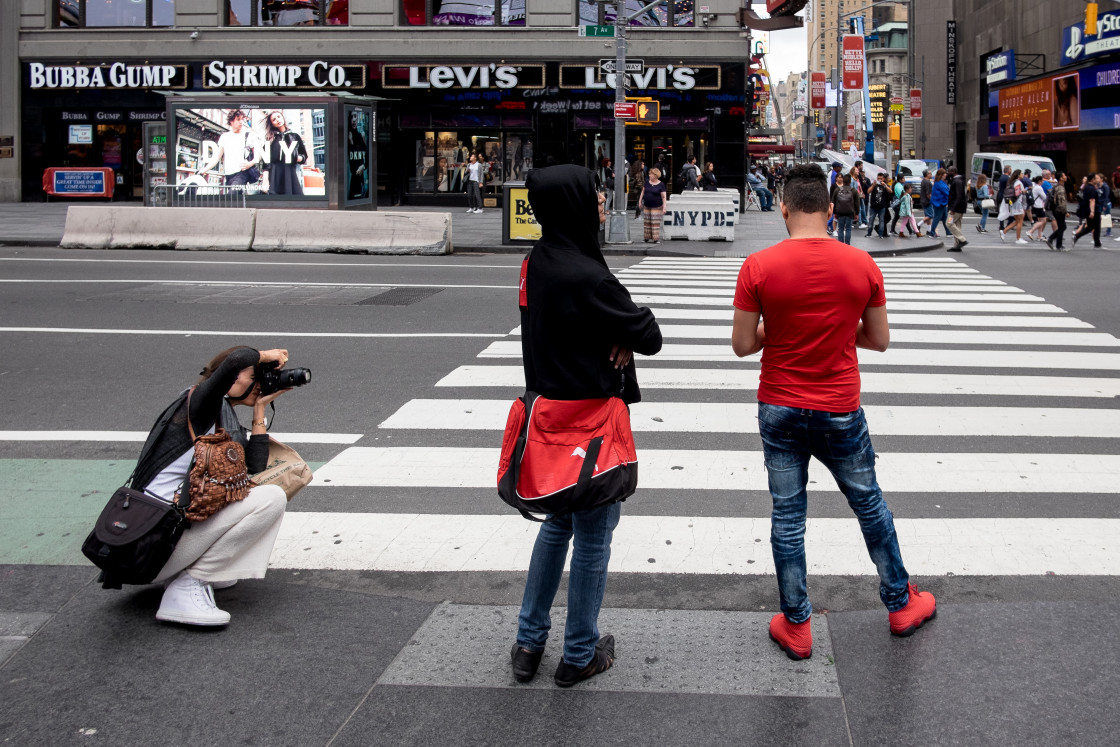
pixel 906 250
pixel 30 242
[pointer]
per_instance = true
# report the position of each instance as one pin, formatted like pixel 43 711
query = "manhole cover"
pixel 399 297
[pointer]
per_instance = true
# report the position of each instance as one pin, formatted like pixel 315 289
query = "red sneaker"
pixel 921 607
pixel 796 639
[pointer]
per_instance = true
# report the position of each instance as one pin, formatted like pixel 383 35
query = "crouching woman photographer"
pixel 236 541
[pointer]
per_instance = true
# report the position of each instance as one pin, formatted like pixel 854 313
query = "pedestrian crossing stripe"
pixel 426 543
pixel 698 469
pixel 896 319
pixel 916 357
pixel 871 382
pixel 1005 305
pixel 920 336
pixel 141 436
pixel 740 417
pixel 891 288
pixel 979 294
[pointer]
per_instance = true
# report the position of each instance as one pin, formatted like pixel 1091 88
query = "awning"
pixel 762 149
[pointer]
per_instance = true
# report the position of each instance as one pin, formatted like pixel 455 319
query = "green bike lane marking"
pixel 48 506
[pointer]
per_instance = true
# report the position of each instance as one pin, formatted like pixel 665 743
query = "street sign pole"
pixel 618 227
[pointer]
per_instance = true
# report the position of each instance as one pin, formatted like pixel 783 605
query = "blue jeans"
pixel 877 215
pixel 984 218
pixel 765 198
pixel 844 228
pixel 863 211
pixel 940 214
pixel 587 580
pixel 790 436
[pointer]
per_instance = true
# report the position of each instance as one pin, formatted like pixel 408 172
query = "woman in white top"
pixel 1038 202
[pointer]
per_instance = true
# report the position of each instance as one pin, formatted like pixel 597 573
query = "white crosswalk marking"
pixel 975 362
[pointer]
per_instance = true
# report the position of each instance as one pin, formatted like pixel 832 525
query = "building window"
pixel 288 13
pixel 113 13
pixel 463 13
pixel 677 13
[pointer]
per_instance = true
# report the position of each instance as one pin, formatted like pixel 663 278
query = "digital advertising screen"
pixel 272 151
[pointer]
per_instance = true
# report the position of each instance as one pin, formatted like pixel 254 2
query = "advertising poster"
pixel 817 89
pixel 522 225
pixel 274 152
pixel 915 103
pixel 853 62
pixel 1079 101
pixel 357 153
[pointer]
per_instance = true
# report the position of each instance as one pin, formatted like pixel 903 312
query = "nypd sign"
pixel 1001 67
pixel 1076 46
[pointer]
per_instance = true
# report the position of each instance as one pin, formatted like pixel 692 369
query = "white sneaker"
pixel 219 585
pixel 470 210
pixel 191 602
pixel 1021 241
pixel 478 210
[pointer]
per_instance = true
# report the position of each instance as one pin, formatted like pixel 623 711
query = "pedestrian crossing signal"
pixel 649 112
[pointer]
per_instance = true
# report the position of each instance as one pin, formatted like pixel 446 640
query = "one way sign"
pixel 632 66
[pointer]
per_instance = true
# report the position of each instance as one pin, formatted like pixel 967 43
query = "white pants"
pixel 234 543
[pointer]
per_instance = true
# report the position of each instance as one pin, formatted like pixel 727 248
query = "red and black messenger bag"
pixel 561 456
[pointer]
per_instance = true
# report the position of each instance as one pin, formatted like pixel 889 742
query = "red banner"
pixel 852 79
pixel 915 103
pixel 816 90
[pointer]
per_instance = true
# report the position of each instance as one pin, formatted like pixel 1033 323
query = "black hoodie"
pixel 577 308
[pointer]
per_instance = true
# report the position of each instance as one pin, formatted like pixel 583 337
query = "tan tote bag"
pixel 285 468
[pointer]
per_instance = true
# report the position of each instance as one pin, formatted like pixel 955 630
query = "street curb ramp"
pixel 254 229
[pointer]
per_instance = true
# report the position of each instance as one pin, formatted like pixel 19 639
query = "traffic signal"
pixel 649 112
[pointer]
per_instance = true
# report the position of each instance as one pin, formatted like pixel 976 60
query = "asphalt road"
pixel 998 454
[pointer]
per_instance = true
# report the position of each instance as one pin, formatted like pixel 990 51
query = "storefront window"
pixel 114 13
pixel 442 159
pixel 288 12
pixel 463 12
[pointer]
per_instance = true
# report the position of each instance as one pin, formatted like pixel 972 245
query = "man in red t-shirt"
pixel 818 300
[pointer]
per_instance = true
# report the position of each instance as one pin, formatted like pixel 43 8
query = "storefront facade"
pixel 522 95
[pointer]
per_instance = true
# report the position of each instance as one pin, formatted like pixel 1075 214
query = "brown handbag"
pixel 285 468
pixel 217 475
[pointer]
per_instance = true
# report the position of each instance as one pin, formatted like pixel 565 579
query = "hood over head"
pixel 565 202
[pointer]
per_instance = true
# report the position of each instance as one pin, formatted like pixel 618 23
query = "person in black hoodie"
pixel 580 329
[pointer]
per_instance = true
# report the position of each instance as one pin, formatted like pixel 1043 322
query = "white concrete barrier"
pixel 257 229
pixel 731 195
pixel 697 220
pixel 122 227
pixel 363 232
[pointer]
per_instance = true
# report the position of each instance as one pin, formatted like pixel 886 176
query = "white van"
pixel 992 164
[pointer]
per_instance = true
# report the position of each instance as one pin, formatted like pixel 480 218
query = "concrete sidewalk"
pixel 42 224
pixel 335 657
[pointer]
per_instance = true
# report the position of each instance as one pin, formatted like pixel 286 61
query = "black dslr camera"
pixel 273 379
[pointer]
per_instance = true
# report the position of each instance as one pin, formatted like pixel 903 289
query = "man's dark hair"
pixel 952 171
pixel 234 114
pixel 806 190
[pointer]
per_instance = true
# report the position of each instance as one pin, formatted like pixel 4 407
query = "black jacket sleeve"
pixel 623 322
pixel 207 398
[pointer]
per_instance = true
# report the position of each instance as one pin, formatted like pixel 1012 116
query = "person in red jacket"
pixel 820 300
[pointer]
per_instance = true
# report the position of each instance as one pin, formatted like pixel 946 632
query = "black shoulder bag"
pixel 137 531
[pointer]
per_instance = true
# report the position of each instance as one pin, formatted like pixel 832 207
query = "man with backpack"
pixel 820 301
pixel 689 178
pixel 877 204
pixel 958 205
pixel 845 207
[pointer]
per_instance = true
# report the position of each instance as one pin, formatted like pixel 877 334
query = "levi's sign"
pixel 108 75
pixel 318 76
pixel 462 76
